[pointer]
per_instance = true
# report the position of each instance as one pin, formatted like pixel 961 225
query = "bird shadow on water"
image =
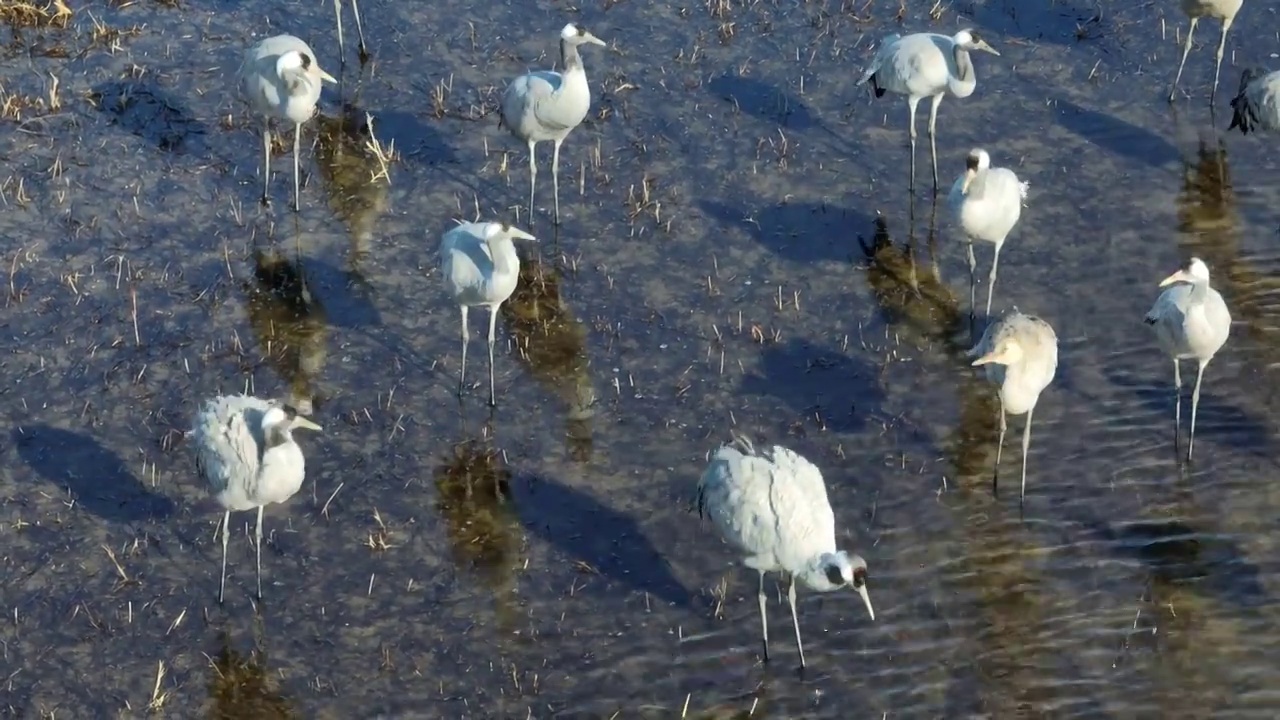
pixel 98 479
pixel 1115 135
pixel 821 383
pixel 1062 21
pixel 804 232
pixel 152 112
pixel 606 540
pixel 762 100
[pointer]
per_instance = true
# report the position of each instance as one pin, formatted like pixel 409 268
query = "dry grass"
pixel 26 14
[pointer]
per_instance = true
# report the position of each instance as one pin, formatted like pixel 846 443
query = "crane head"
pixel 842 569
pixel 1195 272
pixel 575 35
pixel 969 40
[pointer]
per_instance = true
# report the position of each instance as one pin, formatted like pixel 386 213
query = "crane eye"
pixel 859 577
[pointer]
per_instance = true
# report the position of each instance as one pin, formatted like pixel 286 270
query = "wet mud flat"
pixel 739 252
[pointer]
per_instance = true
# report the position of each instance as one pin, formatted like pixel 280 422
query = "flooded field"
pixel 739 252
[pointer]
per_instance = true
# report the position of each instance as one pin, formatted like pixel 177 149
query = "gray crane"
pixel 772 506
pixel 1020 353
pixel 1224 10
pixel 1257 103
pixel 1191 322
pixel 925 65
pixel 480 268
pixel 548 105
pixel 246 453
pixel 986 203
pixel 280 79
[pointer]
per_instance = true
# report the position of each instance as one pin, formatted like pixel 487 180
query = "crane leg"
pixel 1186 48
pixel 266 162
pixel 257 544
pixel 364 53
pixel 226 530
pixel 1195 403
pixel 912 102
pixel 297 184
pixel 533 178
pixel 764 620
pixel 973 280
pixel 933 145
pixel 493 319
pixel 555 176
pixel 1177 405
pixel 462 374
pixel 1026 444
pixel 795 620
pixel 1222 44
pixel 991 286
pixel 337 13
pixel 995 476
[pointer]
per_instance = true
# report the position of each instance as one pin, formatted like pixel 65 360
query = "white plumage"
pixel 772 506
pixel 925 65
pixel 280 79
pixel 1191 323
pixel 1224 10
pixel 986 203
pixel 1257 103
pixel 1020 353
pixel 548 105
pixel 480 268
pixel 246 453
pixel 355 10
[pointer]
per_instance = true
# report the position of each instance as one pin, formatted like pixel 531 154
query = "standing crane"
pixel 986 203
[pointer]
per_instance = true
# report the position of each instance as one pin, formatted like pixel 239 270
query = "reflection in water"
pixel 239 687
pixel 290 323
pixel 473 495
pixel 553 344
pixel 1206 207
pixel 354 176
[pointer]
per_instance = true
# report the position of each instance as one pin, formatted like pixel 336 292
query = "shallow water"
pixel 739 252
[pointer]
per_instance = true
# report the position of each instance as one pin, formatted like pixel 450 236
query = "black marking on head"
pixel 582 32
pixel 974 38
pixel 306 60
pixel 972 161
pixel 859 577
pixel 833 575
pixel 290 412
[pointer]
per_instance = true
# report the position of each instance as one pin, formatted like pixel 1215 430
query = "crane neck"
pixel 965 80
pixel 569 57
pixel 503 253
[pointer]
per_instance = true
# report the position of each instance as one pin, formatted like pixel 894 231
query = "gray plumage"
pixel 1191 322
pixel 480 268
pixel 280 79
pixel 925 65
pixel 548 105
pixel 986 203
pixel 1020 353
pixel 245 451
pixel 772 507
pixel 1224 10
pixel 1257 103
pixel 355 10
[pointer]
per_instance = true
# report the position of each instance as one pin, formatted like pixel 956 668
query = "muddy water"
pixel 740 252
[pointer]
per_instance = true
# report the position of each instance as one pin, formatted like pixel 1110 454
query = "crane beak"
pixel 588 37
pixel 326 76
pixel 522 235
pixel 968 178
pixel 305 424
pixel 1180 276
pixel 984 47
pixel 991 357
pixel 866 600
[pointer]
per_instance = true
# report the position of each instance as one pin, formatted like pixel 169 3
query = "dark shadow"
pixel 606 542
pixel 804 232
pixel 821 383
pixel 1115 135
pixel 1178 553
pixel 98 479
pixel 1065 22
pixel 153 113
pixel 762 100
pixel 1217 418
pixel 290 323
pixel 551 342
pixel 241 687
pixel 416 141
